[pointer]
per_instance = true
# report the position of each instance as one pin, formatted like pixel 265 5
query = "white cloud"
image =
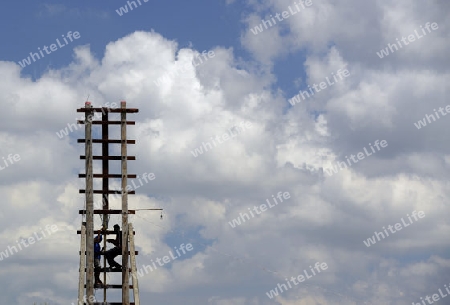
pixel 326 219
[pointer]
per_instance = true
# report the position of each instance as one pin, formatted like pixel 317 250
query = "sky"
pixel 298 148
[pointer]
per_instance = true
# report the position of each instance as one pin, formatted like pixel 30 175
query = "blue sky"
pixel 182 106
pixel 203 23
pixel 200 24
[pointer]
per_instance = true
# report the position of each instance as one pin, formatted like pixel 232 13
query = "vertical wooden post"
pixel 89 205
pixel 137 300
pixel 105 186
pixel 125 274
pixel 82 263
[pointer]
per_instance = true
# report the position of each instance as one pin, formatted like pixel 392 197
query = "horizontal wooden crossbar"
pixel 108 176
pixel 135 252
pixel 109 192
pixel 108 303
pixel 109 270
pixel 105 109
pixel 107 141
pixel 109 232
pixel 108 212
pixel 113 287
pixel 107 122
pixel 108 158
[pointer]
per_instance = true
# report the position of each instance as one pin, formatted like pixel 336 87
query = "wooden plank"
pixel 133 267
pixel 105 188
pixel 118 158
pixel 108 270
pixel 115 286
pixel 133 176
pixel 107 212
pixel 136 252
pixel 107 122
pixel 123 153
pixel 89 206
pixel 109 192
pixel 109 232
pixel 115 110
pixel 109 303
pixel 107 141
pixel 82 263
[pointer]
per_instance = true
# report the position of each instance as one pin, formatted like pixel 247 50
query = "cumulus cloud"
pixel 325 220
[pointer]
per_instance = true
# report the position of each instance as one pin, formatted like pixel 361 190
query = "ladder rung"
pixel 98 109
pixel 135 252
pixel 108 303
pixel 107 270
pixel 108 232
pixel 108 122
pixel 108 157
pixel 113 287
pixel 109 192
pixel 107 141
pixel 132 176
pixel 107 212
